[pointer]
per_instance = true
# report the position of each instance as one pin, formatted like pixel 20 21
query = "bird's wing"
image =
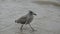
pixel 23 19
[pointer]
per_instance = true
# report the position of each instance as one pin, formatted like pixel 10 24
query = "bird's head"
pixel 32 13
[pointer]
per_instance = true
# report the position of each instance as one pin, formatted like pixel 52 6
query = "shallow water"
pixel 47 20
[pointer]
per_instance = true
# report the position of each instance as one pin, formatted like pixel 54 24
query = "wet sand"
pixel 47 20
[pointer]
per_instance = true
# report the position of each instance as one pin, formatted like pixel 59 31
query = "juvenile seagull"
pixel 26 19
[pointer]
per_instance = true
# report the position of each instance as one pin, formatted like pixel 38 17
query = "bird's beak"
pixel 35 14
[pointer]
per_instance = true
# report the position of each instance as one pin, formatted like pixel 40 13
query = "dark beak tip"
pixel 35 14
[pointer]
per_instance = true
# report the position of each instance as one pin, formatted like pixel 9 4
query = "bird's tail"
pixel 16 21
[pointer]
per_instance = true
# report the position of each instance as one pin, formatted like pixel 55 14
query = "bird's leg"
pixel 21 27
pixel 31 27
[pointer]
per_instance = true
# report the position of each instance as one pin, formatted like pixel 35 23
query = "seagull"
pixel 26 19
